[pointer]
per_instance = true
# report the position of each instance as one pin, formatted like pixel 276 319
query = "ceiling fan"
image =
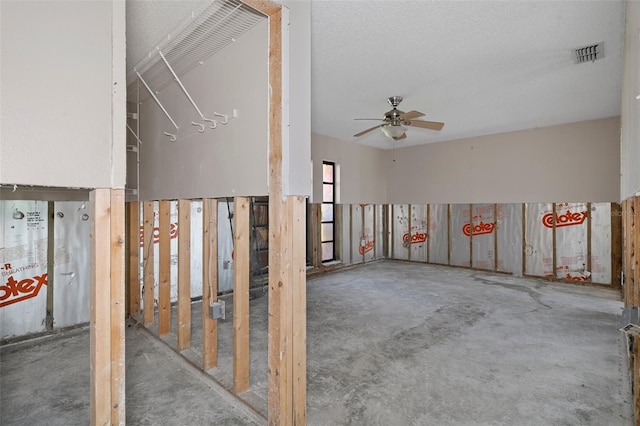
pixel 395 120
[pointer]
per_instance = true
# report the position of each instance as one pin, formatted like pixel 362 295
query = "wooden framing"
pixel 209 282
pixel 148 262
pixel 133 250
pixel 392 232
pixel 51 250
pixel 495 236
pixel 241 294
pixel 295 205
pixel 350 234
pixel 184 274
pixel 164 268
pixel 428 233
pixel 107 368
pixel 471 235
pixel 554 241
pixel 524 239
pixel 409 213
pixel 616 244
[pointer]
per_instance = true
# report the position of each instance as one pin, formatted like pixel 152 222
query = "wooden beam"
pixel 392 245
pixel 133 256
pixel 184 274
pixel 350 233
pixel 298 285
pixel 316 245
pixel 625 250
pixel 448 234
pixel 554 241
pixel 616 244
pixel 409 212
pixel 385 231
pixel 51 250
pixel 635 260
pixel 164 268
pixel 495 236
pixel 117 300
pixel 589 222
pixel 428 233
pixel 209 282
pixel 241 268
pixel 148 262
pixel 107 298
pixel 471 236
pixel 524 239
pixel 374 230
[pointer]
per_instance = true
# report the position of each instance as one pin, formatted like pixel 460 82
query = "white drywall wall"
pixel 297 179
pixel 362 170
pixel 569 162
pixel 62 85
pixel 231 160
pixel 630 121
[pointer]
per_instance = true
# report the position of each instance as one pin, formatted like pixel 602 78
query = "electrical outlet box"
pixel 216 310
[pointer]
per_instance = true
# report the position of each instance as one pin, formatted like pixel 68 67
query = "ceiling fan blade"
pixel 404 136
pixel 376 119
pixel 411 115
pixel 364 132
pixel 433 125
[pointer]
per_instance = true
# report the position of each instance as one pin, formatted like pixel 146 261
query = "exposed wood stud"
pixel 392 228
pixel 409 213
pixel 524 238
pixel 589 221
pixel 100 323
pixel 554 241
pixel 148 262
pixel 241 294
pixel 209 282
pixel 616 244
pixel 164 268
pixel 448 234
pixel 107 373
pixel 635 295
pixel 428 233
pixel 133 256
pixel 299 309
pixel 496 229
pixel 471 236
pixel 184 274
pixel 374 230
pixel 117 300
pixel 350 233
pixel 51 249
pixel 362 208
pixel 276 416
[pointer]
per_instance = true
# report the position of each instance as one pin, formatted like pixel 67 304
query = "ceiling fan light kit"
pixel 393 131
pixel 395 120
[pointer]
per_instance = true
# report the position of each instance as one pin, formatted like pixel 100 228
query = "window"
pixel 327 231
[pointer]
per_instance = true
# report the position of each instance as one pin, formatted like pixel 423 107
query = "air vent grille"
pixel 589 53
pixel 218 25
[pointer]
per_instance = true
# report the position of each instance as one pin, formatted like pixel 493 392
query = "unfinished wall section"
pixel 578 242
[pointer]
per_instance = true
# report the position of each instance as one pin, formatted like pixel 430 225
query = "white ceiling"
pixel 482 67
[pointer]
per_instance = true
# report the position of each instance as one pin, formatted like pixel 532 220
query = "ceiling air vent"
pixel 589 53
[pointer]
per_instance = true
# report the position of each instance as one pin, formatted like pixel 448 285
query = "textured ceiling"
pixel 481 67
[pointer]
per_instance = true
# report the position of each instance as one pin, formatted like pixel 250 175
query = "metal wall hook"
pixel 224 117
pixel 172 137
pixel 214 125
pixel 201 125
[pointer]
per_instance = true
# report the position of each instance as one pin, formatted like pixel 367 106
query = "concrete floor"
pixel 390 343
